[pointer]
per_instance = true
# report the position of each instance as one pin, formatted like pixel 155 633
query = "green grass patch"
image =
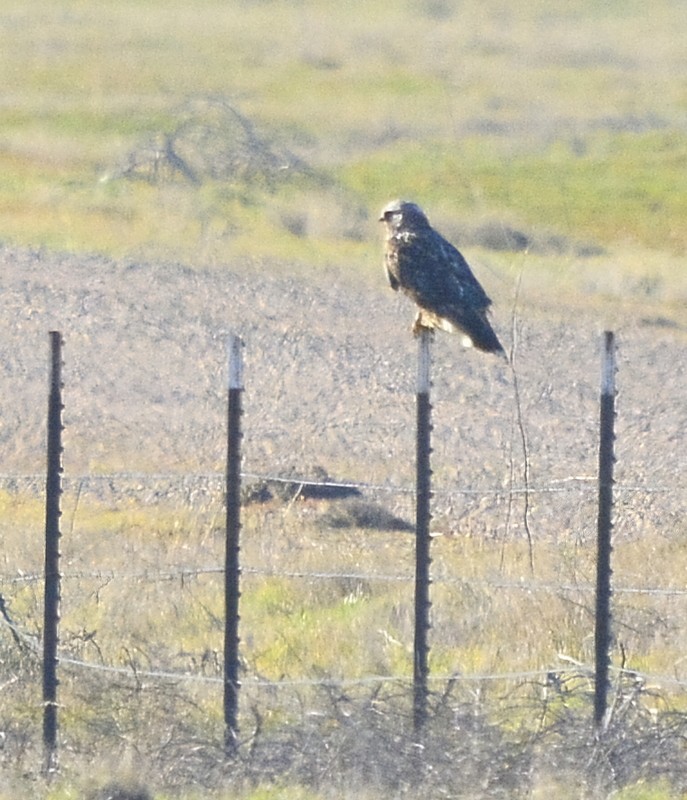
pixel 622 188
pixel 398 101
pixel 647 791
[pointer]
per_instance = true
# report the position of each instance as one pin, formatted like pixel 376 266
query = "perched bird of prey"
pixel 422 264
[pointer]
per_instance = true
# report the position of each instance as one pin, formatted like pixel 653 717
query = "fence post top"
pixel 608 366
pixel 424 361
pixel 235 345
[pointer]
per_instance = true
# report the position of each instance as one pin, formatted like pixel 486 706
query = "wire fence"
pixel 150 618
pixel 565 665
pixel 186 489
pixel 181 573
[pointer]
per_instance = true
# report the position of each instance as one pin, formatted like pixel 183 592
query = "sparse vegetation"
pixel 496 738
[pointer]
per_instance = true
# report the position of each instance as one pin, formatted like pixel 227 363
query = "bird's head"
pixel 400 214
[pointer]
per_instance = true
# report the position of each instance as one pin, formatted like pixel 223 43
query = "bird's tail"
pixel 483 337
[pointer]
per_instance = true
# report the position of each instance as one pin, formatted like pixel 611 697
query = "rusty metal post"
pixel 232 566
pixel 422 537
pixel 602 636
pixel 51 607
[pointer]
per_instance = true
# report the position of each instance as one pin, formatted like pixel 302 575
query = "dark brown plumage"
pixel 429 269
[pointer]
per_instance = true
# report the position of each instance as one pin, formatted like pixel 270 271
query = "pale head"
pixel 403 214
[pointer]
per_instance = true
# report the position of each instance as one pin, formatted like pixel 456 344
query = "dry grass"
pixel 136 597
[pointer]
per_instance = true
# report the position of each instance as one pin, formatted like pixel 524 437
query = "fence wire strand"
pixel 571 484
pixel 181 573
pixel 577 669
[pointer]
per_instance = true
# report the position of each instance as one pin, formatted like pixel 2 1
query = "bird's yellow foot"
pixel 419 326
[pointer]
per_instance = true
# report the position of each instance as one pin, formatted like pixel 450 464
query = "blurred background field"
pixel 565 124
pixel 170 173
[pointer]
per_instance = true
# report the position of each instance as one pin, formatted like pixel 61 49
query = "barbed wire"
pixel 182 573
pixel 577 669
pixel 570 484
pixel 249 682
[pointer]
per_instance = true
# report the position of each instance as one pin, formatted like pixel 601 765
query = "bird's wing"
pixel 433 272
pixel 459 282
pixel 391 267
pixel 393 280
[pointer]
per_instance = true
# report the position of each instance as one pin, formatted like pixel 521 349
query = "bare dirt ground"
pixel 330 381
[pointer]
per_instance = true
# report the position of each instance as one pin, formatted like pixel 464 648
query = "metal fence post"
pixel 604 528
pixel 232 566
pixel 51 607
pixel 422 537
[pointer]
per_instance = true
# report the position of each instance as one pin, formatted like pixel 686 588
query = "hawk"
pixel 429 269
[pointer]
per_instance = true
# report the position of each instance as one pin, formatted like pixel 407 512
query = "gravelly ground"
pixel 329 373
